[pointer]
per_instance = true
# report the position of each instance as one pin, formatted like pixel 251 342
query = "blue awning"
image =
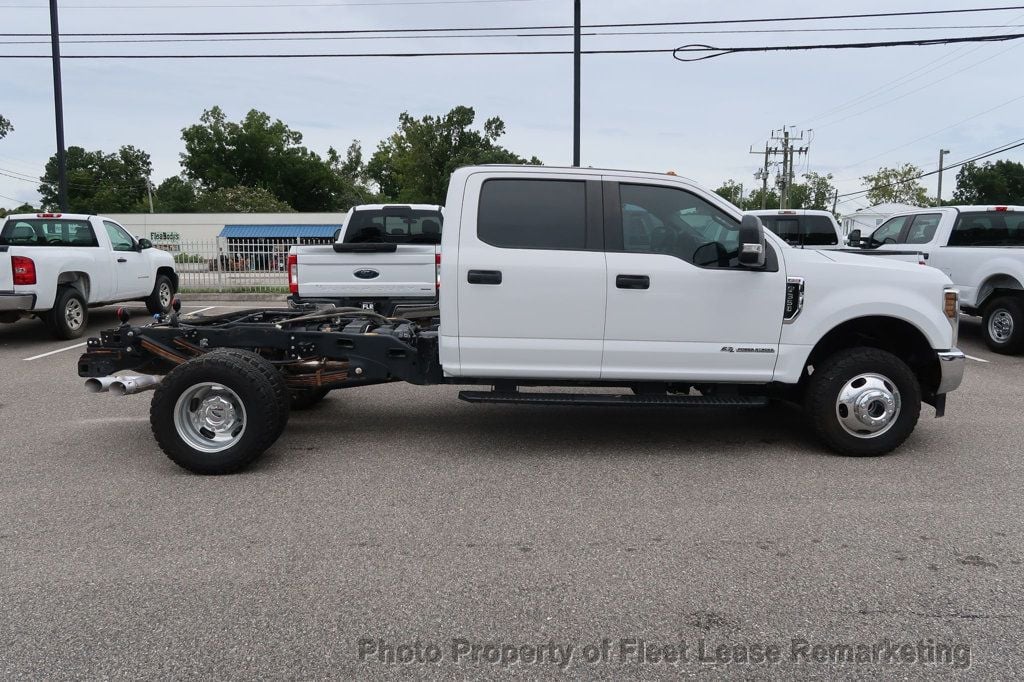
pixel 277 231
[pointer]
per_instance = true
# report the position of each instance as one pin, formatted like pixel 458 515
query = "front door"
pixel 680 307
pixel 131 267
pixel 531 295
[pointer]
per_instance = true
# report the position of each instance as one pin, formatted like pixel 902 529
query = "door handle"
pixel 484 277
pixel 122 260
pixel 633 282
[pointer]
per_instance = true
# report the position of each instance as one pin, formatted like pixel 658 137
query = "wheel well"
pixel 78 280
pixel 169 271
pixel 891 334
pixel 998 285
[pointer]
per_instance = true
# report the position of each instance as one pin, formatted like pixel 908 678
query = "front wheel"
pixel 159 302
pixel 863 402
pixel 1003 323
pixel 217 413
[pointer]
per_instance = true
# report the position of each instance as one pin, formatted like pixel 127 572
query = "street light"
pixel 938 194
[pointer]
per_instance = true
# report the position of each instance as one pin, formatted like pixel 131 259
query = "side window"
pixel 998 228
pixel 119 239
pixel 674 222
pixel 922 230
pixel 889 231
pixel 533 214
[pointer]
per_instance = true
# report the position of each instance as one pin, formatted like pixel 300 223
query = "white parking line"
pixel 54 352
pixel 971 357
pixel 79 345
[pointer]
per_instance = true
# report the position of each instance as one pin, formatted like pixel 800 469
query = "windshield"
pixel 802 230
pixel 47 232
pixel 394 225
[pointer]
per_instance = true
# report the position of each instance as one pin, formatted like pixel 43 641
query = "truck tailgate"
pixel 408 271
pixel 6 274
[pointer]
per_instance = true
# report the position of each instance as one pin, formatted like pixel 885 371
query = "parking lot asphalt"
pixel 401 515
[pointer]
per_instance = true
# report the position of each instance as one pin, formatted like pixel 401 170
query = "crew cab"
pixel 645 286
pixel 981 249
pixel 56 266
pixel 803 228
pixel 384 258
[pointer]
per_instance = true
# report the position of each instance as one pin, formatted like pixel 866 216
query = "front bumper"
pixel 951 370
pixel 17 302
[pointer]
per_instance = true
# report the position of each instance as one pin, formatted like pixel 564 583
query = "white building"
pixel 867 219
pixel 202 227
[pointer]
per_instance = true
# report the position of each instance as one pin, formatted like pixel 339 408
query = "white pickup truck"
pixel 549 281
pixel 384 258
pixel 56 266
pixel 980 248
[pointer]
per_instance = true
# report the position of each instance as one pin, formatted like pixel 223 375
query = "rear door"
pixel 132 271
pixel 531 277
pixel 680 307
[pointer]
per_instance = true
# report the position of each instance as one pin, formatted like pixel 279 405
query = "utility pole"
pixel 938 195
pixel 149 190
pixel 787 151
pixel 58 110
pixel 576 85
pixel 762 174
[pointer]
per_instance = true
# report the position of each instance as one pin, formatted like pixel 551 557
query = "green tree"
pixel 413 165
pixel 896 185
pixel 175 195
pixel 732 191
pixel 98 182
pixel 815 192
pixel 261 152
pixel 1001 182
pixel 5 127
pixel 240 199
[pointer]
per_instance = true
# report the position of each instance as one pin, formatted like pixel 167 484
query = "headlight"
pixel 951 309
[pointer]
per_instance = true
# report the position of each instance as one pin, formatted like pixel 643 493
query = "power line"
pixel 704 22
pixel 273 5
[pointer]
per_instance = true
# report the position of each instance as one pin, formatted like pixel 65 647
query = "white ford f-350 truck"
pixel 56 266
pixel 980 248
pixel 550 280
pixel 385 258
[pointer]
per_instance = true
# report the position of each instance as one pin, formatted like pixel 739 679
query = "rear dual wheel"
pixel 219 412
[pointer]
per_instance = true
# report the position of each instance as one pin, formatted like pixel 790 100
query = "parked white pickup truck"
pixel 384 258
pixel 981 248
pixel 56 266
pixel 548 281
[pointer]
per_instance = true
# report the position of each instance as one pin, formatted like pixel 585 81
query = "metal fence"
pixel 233 265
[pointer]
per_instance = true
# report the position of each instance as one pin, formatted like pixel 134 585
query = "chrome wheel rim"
pixel 1000 326
pixel 209 417
pixel 164 294
pixel 868 405
pixel 74 314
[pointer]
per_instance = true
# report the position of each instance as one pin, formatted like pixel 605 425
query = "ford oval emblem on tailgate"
pixel 366 274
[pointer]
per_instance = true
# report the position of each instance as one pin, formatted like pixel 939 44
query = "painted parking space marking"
pixel 971 357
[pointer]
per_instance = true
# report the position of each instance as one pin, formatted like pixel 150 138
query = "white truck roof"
pixel 790 211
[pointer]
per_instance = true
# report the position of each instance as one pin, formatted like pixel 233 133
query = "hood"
pixel 866 266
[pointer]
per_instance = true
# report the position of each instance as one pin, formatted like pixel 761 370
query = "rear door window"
pixel 47 232
pixel 991 228
pixel 394 225
pixel 533 214
pixel 922 230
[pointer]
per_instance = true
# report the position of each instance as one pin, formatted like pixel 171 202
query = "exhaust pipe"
pixel 99 384
pixel 130 385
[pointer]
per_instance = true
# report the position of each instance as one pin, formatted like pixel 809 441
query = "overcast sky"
pixel 645 112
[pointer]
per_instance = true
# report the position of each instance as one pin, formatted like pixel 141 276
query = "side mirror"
pixel 144 244
pixel 752 246
pixel 854 239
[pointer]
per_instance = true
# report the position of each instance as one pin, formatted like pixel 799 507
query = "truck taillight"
pixel 437 271
pixel 293 273
pixel 24 270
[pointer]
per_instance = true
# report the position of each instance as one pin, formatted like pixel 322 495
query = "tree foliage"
pixel 896 185
pixel 240 199
pixel 99 182
pixel 1001 182
pixel 175 195
pixel 5 127
pixel 259 152
pixel 413 165
pixel 732 191
pixel 815 192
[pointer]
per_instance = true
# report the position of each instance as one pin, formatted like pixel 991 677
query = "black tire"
pixel 304 400
pixel 832 376
pixel 249 382
pixel 70 314
pixel 159 302
pixel 1003 325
